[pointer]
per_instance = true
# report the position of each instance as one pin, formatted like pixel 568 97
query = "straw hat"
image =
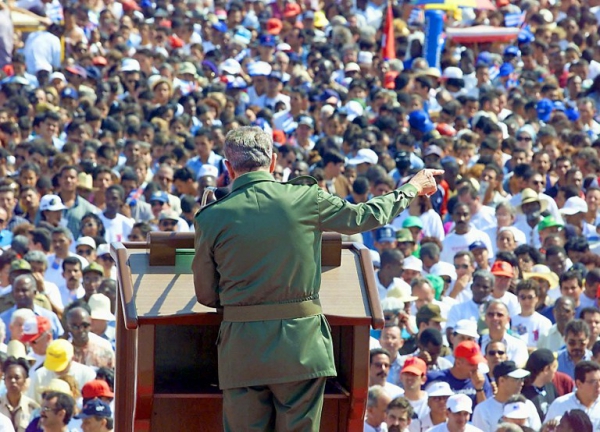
pixel 17 350
pixel 530 196
pixel 401 291
pixel 57 385
pixel 541 271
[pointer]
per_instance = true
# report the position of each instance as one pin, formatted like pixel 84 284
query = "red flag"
pixel 388 43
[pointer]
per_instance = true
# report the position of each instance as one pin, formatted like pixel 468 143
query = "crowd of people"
pixel 113 116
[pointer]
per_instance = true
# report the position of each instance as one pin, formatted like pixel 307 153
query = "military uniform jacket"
pixel 261 244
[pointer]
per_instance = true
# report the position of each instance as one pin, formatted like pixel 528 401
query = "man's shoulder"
pixel 441 375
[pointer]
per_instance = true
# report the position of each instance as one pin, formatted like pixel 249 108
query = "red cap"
pixel 274 26
pixel 279 136
pixel 176 42
pixel 292 10
pixel 389 80
pixel 502 268
pixel 34 328
pixel 470 351
pixel 130 5
pixel 445 129
pixel 99 61
pixel 95 389
pixel 414 365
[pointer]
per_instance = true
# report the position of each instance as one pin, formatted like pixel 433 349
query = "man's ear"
pixel 273 162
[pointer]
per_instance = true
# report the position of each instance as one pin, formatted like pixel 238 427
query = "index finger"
pixel 436 172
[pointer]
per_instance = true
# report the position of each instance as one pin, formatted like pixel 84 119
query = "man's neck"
pixel 73 289
pixel 456 374
pixel 68 196
pixel 526 313
pixel 414 395
pixel 371 423
pixel 437 418
pixel 501 396
pixel 61 255
pixel 497 335
pixel 110 214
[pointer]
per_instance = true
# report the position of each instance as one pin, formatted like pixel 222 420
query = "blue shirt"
pixel 57 328
pixel 566 365
pixel 214 159
pixel 460 386
pixel 548 312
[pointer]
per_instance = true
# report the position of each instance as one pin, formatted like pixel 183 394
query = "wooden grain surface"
pixel 160 293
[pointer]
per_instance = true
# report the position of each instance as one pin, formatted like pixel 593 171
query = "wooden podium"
pixel 166 372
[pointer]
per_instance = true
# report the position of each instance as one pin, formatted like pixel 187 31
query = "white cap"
pixel 439 388
pixel 353 109
pixel 130 65
pixel 86 241
pixel 365 57
pixel 517 234
pixel 103 249
pixel 100 306
pixel 517 410
pixel 573 206
pixel 284 47
pixel 459 403
pixel 230 67
pixel 51 203
pixel 364 156
pixel 413 263
pixel 208 170
pixel 259 68
pixel 57 75
pixel 467 327
pixel 352 67
pixel 452 72
pixel 443 268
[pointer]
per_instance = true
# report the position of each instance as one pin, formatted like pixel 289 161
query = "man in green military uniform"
pixel 258 255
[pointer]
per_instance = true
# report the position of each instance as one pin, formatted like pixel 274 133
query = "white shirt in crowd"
pixel 432 223
pixel 54 271
pixel 117 229
pixel 569 402
pixel 488 413
pixel 454 243
pixel 516 349
pixel 484 219
pixel 530 328
pixel 443 427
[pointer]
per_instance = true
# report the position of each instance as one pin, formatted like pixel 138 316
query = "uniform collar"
pixel 249 178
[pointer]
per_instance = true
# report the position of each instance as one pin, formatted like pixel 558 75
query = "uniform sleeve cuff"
pixel 409 190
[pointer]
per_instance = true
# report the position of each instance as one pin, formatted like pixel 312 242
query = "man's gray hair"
pixel 485 274
pixel 248 148
pixel 36 257
pixel 63 230
pixel 374 394
pixel 496 302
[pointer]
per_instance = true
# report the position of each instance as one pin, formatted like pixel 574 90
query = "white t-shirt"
pixel 530 328
pixel 454 243
pixel 467 310
pixel 432 223
pixel 511 302
pixel 488 413
pixel 443 427
pixel 516 349
pixel 117 229
pixel 393 390
pixel 420 407
pixel 5 424
pixel 68 296
pixel 484 219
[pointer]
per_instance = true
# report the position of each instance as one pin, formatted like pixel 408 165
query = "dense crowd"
pixel 113 116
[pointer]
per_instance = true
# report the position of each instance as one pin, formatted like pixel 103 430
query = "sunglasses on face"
pixel 524 138
pixel 84 252
pixel 526 297
pixel 496 352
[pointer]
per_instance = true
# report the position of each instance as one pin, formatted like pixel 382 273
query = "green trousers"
pixel 289 407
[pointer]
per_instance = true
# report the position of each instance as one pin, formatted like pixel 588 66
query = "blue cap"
pixel 420 121
pixel 506 69
pixel 485 58
pixel 267 40
pixel 220 27
pixel 572 114
pixel 525 36
pixel 95 408
pixel 94 73
pixel 559 106
pixel 329 94
pixel 544 109
pixel 477 244
pixel 511 51
pixel 385 234
pixel 160 196
pixel 69 93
